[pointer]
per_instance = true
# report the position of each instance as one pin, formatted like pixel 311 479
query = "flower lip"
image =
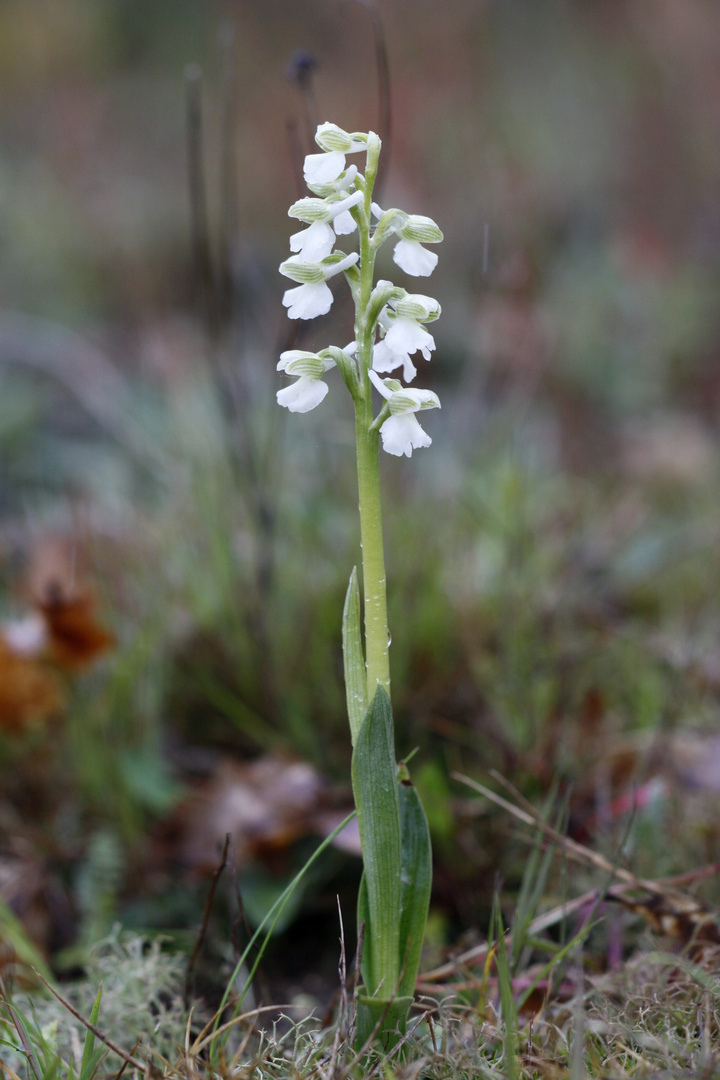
pixel 314 243
pixel 406 336
pixel 414 259
pixel 323 168
pixel 307 301
pixel 384 359
pixel 402 434
pixel 304 394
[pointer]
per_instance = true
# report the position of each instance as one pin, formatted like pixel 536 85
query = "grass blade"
pixel 507 1004
pixel 87 1065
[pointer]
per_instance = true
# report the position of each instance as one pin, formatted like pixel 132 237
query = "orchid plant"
pixel 390 328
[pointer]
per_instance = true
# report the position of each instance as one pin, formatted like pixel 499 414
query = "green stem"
pixel 373 556
pixel 367 442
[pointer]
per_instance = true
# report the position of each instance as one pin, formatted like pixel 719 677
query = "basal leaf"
pixel 415 883
pixel 374 776
pixel 355 676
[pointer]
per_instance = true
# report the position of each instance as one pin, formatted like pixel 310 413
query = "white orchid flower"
pixel 335 187
pixel 312 297
pixel 414 230
pixel 401 433
pixel 316 242
pixel 404 335
pixel 326 167
pixel 308 390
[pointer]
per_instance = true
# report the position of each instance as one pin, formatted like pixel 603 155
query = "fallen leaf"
pixel 29 691
pixel 75 637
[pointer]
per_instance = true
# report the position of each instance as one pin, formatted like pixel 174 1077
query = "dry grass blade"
pixel 200 1043
pixel 572 848
pixel 478 953
pixel 668 911
pixel 343 1017
pixel 206 916
pixel 681 905
pixel 128 1058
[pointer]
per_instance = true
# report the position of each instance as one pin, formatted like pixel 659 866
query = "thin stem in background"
pixel 202 252
pixel 382 67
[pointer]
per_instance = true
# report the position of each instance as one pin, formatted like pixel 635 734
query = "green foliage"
pixel 354 664
pixel 415 883
pixel 374 775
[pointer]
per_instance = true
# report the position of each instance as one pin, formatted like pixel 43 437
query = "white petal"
pixel 414 259
pixel 302 395
pixel 349 178
pixel 384 359
pixel 308 301
pixel 344 223
pixel 313 243
pixel 330 269
pixel 402 434
pixel 407 336
pixel 323 168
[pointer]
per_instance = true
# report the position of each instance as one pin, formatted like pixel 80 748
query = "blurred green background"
pixel 553 560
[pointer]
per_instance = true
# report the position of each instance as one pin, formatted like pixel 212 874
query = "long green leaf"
pixel 355 677
pixel 415 883
pixel 374 777
pixel 363 919
pixel 88 1065
pixel 507 1004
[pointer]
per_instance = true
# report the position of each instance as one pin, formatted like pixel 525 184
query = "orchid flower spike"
pixel 414 230
pixel 312 297
pixel 308 390
pixel 401 433
pixel 404 335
